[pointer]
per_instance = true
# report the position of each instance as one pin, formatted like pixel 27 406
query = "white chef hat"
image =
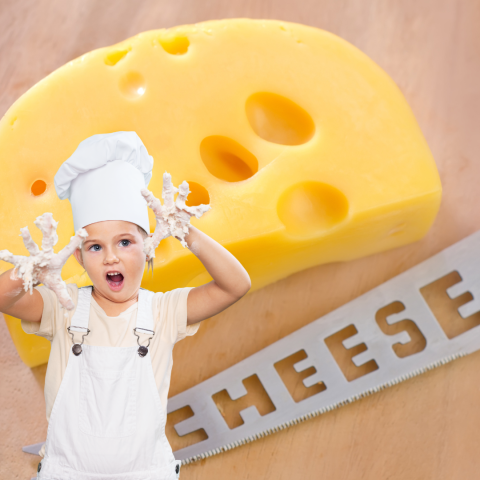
pixel 103 178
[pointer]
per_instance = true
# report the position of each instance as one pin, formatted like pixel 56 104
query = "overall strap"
pixel 145 311
pixel 82 312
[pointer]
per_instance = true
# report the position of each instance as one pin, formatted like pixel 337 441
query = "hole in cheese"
pixel 279 120
pixel 132 85
pixel 38 187
pixel 113 57
pixel 176 45
pixel 198 195
pixel 226 159
pixel 308 207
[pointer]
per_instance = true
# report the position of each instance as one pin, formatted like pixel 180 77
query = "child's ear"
pixel 78 256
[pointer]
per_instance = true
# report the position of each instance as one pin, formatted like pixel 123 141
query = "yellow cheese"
pixel 305 148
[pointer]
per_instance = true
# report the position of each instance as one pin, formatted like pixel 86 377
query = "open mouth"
pixel 115 280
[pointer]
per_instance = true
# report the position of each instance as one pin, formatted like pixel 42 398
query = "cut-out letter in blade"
pixel 344 355
pixel 181 441
pixel 408 337
pixel 446 309
pixel 293 378
pixel 249 400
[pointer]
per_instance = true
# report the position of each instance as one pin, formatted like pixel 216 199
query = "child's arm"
pixel 42 266
pixel 230 279
pixel 13 300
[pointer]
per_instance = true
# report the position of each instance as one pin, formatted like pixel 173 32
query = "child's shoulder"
pixel 170 303
pixel 50 297
pixel 174 295
pixel 170 313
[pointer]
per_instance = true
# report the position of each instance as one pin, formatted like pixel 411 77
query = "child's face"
pixel 113 257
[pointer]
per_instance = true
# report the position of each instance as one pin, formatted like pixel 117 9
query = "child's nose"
pixel 110 257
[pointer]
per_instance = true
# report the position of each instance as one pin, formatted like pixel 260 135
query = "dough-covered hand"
pixel 173 217
pixel 44 266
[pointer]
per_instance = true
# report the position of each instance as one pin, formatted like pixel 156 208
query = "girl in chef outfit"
pixel 109 369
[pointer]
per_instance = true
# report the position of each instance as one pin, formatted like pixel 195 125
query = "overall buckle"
pixel 77 347
pixel 142 350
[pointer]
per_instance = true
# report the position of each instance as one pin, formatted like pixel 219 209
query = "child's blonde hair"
pixel 143 233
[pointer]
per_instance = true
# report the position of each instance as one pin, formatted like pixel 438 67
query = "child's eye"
pixel 95 248
pixel 125 243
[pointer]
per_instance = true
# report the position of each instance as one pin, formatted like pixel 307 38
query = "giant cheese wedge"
pixel 305 148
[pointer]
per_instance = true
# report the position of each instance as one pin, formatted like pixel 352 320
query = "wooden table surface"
pixel 424 428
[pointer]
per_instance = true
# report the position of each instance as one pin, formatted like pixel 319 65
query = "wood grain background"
pixel 424 428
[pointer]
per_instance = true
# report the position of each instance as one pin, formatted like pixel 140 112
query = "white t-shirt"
pixel 170 326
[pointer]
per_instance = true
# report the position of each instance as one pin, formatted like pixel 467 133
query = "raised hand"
pixel 44 266
pixel 173 217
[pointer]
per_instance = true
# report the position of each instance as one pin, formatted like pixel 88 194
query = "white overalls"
pixel 107 421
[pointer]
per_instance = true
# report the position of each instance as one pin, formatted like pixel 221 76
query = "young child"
pixel 109 369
